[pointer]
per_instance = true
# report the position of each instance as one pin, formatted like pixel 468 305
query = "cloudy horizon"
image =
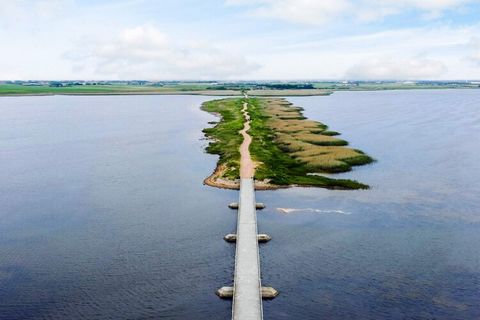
pixel 240 40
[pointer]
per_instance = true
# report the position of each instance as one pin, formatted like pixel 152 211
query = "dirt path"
pixel 247 166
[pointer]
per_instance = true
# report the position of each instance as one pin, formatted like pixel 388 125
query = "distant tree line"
pixel 288 86
pixel 272 86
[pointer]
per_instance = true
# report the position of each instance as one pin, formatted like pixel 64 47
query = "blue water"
pixel 103 210
pixel 406 249
pixel 103 214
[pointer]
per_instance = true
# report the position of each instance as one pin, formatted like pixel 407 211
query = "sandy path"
pixel 247 167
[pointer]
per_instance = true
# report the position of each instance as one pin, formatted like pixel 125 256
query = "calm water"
pixel 104 215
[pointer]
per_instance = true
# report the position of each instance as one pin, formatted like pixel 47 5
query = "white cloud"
pixel 298 11
pixel 388 68
pixel 35 35
pixel 313 12
pixel 431 53
pixel 475 48
pixel 304 11
pixel 370 10
pixel 148 53
pixel 19 12
pixel 432 4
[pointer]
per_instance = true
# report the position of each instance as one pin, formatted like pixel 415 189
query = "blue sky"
pixel 240 39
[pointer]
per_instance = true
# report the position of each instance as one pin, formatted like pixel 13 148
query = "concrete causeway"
pixel 247 292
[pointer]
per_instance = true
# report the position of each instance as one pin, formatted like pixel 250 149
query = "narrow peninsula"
pixel 287 149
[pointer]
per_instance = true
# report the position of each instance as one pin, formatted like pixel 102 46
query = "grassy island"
pixel 287 148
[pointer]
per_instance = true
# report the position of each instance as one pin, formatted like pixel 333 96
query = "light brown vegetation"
pixel 304 140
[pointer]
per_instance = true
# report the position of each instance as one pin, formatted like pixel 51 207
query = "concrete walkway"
pixel 247 297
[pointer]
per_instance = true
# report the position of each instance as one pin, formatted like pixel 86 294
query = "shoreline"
pixel 227 93
pixel 262 185
pixel 235 185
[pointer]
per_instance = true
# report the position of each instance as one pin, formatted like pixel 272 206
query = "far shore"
pixel 233 90
pixel 229 93
pixel 217 93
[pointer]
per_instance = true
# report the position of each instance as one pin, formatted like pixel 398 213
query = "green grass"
pixel 276 164
pixel 279 166
pixel 309 142
pixel 15 89
pixel 12 89
pixel 329 133
pixel 225 138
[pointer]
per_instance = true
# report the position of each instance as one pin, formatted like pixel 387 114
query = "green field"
pixel 14 89
pixel 182 88
pixel 214 88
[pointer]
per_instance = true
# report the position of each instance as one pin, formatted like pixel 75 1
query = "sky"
pixel 240 39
